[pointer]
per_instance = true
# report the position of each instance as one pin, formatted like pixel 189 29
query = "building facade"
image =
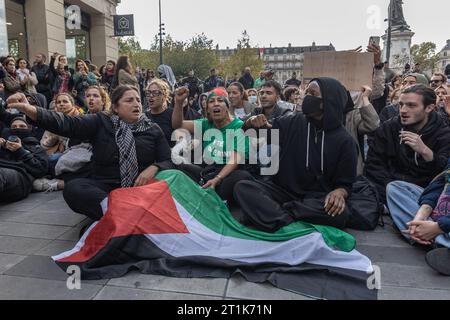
pixel 77 28
pixel 444 57
pixel 284 61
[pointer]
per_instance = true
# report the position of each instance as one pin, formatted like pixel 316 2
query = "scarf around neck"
pixel 128 162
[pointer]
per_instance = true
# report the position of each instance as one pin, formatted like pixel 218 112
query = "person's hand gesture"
pixel 212 184
pixel 366 91
pixel 424 231
pixel 414 141
pixel 259 121
pixel 335 202
pixel 17 101
pixel 181 94
pixel 447 105
pixel 13 146
pixel 146 176
pixel 376 50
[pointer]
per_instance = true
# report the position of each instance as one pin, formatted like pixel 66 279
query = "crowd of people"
pixel 89 130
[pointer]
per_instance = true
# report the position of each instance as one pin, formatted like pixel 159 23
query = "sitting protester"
pixel 422 215
pixel 269 98
pixel 75 160
pixel 157 94
pixel 239 105
pixel 317 164
pixel 22 160
pixel 97 100
pixel 393 110
pixel 128 149
pixel 413 147
pixel 221 170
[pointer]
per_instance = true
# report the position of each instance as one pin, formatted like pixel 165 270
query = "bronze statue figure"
pixel 397 17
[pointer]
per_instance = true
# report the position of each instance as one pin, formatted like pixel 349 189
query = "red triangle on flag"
pixel 135 211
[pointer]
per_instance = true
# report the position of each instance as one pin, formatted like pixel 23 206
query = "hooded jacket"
pixel 389 160
pixel 30 160
pixel 317 159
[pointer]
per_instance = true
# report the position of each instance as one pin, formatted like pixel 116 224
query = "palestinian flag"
pixel 172 227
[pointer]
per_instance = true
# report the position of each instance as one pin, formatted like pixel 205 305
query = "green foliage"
pixel 198 54
pixel 246 56
pixel 426 55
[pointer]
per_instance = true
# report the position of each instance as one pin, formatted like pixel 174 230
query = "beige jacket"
pixel 127 79
pixel 362 120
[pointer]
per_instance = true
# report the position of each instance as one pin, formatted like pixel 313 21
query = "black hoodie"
pixel 31 160
pixel 389 160
pixel 313 159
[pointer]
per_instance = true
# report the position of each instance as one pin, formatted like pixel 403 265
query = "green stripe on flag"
pixel 208 209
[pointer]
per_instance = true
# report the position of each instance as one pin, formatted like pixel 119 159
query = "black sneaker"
pixel 439 260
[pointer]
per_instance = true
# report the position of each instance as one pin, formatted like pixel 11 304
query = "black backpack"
pixel 365 206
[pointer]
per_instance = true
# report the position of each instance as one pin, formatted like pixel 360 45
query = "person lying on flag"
pixel 317 168
pixel 128 149
pixel 222 167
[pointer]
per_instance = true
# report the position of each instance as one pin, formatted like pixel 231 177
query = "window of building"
pixel 3 32
pixel 15 39
pixel 78 42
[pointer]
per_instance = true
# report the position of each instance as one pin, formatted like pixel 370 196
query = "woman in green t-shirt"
pixel 225 147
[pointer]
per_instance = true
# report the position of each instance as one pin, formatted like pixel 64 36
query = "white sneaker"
pixel 45 185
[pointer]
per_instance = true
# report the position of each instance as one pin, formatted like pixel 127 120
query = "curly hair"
pixel 163 86
pixel 105 97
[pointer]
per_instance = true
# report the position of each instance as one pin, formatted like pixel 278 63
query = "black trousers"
pixel 84 196
pixel 269 207
pixel 226 187
pixel 14 186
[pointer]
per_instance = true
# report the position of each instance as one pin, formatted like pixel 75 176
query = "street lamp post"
pixel 161 34
pixel 389 35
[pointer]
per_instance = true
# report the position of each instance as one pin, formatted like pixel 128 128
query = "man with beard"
pixel 317 165
pixel 411 148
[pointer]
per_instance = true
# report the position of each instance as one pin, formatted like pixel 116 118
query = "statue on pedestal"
pixel 397 18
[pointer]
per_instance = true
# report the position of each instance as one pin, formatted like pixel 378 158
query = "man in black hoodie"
pixel 413 147
pixel 22 160
pixel 317 165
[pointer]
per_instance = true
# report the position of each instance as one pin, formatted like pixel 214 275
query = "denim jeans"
pixel 402 199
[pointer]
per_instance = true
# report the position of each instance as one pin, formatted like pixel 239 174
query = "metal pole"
pixel 160 36
pixel 389 35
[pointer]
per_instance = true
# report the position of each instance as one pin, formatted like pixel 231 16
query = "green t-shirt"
pixel 218 144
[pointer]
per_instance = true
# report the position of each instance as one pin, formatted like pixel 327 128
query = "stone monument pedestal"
pixel 400 49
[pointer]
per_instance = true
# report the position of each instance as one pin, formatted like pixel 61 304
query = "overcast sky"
pixel 345 23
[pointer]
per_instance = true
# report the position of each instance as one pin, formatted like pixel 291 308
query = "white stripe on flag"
pixel 202 241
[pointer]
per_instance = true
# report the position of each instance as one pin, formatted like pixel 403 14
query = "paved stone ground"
pixel 42 225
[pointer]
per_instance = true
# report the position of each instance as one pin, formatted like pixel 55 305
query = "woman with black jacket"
pixel 128 149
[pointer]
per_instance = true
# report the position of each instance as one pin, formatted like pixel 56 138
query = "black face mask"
pixel 21 133
pixel 311 105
